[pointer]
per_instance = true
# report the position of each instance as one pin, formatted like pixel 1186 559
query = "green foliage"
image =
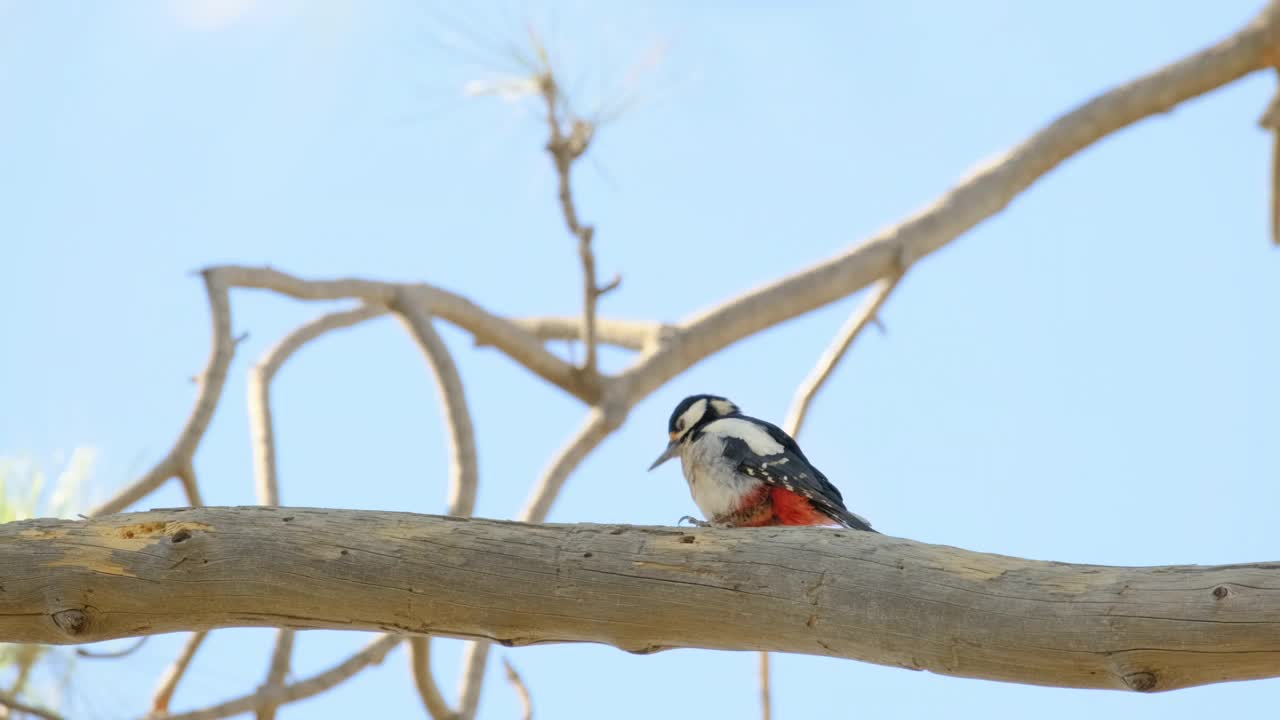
pixel 25 493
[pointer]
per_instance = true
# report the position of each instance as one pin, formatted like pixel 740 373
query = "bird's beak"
pixel 673 448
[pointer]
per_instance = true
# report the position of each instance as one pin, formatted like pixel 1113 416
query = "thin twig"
pixel 277 672
pixel 565 148
pixel 766 698
pixel 522 691
pixel 15 705
pixel 420 663
pixel 861 317
pixel 169 681
pixel 113 654
pixel 372 654
pixel 1271 121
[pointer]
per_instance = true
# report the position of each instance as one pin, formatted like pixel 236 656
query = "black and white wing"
pixel 763 451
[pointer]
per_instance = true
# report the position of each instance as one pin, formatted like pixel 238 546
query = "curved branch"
pixel 261 426
pixel 522 690
pixel 599 424
pixel 420 663
pixel 805 590
pixel 373 654
pixel 463 483
pixel 112 654
pixel 211 381
pixel 169 682
pixel 464 474
pixel 862 316
pixel 474 659
pixel 987 190
pixel 487 328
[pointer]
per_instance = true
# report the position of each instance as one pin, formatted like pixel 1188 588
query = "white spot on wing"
pixel 756 438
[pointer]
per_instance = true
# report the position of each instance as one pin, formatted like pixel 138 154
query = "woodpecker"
pixel 745 472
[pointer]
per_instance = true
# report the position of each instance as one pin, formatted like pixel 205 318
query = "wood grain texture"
pixel 805 590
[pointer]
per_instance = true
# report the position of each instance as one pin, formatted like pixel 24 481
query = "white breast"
pixel 714 482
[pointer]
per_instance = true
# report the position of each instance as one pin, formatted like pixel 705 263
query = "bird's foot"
pixel 693 521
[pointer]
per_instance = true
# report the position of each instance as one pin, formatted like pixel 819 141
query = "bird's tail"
pixel 853 521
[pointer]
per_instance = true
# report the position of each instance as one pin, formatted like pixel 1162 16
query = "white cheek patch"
pixel 759 440
pixel 693 415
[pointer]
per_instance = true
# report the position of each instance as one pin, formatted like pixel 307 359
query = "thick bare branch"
pixel 862 316
pixel 373 654
pixel 629 334
pixel 522 690
pixel 804 590
pixel 210 382
pixel 420 662
pixel 988 189
pixel 169 681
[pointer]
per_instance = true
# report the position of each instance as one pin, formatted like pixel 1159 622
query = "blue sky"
pixel 1087 377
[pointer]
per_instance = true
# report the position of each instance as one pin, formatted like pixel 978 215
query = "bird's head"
pixel 692 413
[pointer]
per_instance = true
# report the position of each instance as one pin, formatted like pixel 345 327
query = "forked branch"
pixel 668 351
pixel 372 654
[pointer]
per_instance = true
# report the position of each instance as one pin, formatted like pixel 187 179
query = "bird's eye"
pixel 679 425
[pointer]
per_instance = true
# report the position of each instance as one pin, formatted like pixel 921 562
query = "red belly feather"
pixel 771 505
pixel 793 509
